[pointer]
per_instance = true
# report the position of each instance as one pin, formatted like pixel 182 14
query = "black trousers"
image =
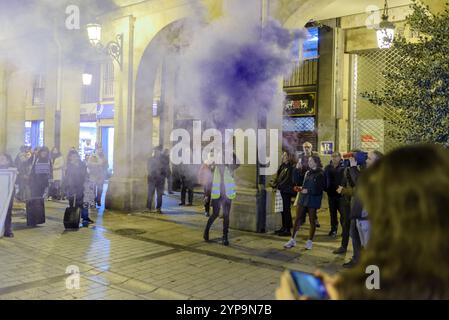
pixel 207 199
pixel 158 187
pixel 184 190
pixel 8 220
pixel 340 204
pixel 356 243
pixel 287 222
pixel 225 203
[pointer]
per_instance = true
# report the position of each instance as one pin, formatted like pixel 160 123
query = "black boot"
pixel 225 239
pixel 206 234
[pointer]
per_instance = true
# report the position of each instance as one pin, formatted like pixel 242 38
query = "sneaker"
pixel 207 214
pixel 9 235
pixel 317 223
pixel 182 204
pixel 90 220
pixel 49 198
pixel 340 250
pixel 290 244
pixel 309 244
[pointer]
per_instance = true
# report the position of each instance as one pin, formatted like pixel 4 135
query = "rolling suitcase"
pixel 72 217
pixel 35 210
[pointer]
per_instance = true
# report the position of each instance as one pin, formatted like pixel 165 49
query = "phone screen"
pixel 309 285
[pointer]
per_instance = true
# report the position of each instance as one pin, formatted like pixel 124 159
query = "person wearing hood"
pixel 309 200
pixel 6 163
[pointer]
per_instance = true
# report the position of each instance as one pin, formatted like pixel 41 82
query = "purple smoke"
pixel 234 73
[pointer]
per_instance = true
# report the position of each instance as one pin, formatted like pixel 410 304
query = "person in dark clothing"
pixel 303 166
pixel 74 179
pixel 284 183
pixel 41 172
pixel 5 163
pixel 358 164
pixel 187 184
pixel 345 191
pixel 166 157
pixel 334 174
pixel 309 200
pixel 157 173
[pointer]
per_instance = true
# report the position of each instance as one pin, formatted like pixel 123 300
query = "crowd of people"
pixel 304 179
pixel 45 174
pixel 403 198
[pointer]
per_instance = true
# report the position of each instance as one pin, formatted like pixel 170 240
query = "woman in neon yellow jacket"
pixel 223 192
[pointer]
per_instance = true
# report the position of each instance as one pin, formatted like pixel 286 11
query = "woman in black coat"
pixel 284 183
pixel 41 172
pixel 310 197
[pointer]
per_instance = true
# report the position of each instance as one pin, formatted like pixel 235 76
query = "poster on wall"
pixel 371 135
pixel 7 182
pixel 301 104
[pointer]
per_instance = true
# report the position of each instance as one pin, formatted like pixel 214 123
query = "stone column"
pixel 132 137
pixel 19 95
pixel 70 107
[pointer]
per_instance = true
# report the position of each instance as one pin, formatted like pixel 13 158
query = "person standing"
pixel 309 200
pixel 23 165
pixel 187 184
pixel 57 162
pixel 334 174
pixel 303 166
pixel 75 178
pixel 358 164
pixel 205 179
pixel 102 176
pixel 284 183
pixel 6 163
pixel 41 172
pixel 157 172
pixel 346 189
pixel 166 159
pixel 222 194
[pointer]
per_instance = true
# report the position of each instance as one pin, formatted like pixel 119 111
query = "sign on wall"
pixel 301 104
pixel 327 147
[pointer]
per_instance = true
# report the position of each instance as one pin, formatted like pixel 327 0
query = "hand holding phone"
pixel 309 286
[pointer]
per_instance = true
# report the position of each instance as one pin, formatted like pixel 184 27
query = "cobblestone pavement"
pixel 151 256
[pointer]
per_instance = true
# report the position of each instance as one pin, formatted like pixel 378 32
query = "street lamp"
pixel 87 79
pixel 386 30
pixel 112 48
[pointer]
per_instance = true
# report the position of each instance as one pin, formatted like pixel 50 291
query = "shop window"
pixel 108 80
pixel 38 90
pixel 91 92
pixel 310 45
pixel 34 133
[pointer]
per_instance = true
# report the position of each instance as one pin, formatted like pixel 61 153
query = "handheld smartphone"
pixel 310 286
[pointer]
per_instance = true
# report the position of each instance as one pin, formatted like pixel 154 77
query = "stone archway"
pixel 128 188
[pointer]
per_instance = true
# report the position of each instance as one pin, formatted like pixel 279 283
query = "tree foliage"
pixel 418 86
